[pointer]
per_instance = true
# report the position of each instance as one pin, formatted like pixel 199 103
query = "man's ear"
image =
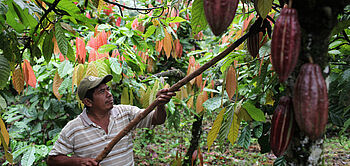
pixel 87 102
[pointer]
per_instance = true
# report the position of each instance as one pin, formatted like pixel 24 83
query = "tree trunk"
pixel 196 135
pixel 317 19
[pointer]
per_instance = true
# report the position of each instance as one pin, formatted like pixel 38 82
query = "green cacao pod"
pixel 310 101
pixel 282 126
pixel 219 14
pixel 285 43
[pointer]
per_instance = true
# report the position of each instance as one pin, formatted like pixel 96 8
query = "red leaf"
pixel 118 22
pixel 92 43
pixel 200 156
pixel 199 79
pixel 81 51
pixel 28 73
pixel 194 156
pixel 92 55
pixel 62 58
pixel 178 48
pixel 101 39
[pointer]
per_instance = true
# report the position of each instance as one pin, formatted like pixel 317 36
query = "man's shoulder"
pixel 74 124
pixel 124 109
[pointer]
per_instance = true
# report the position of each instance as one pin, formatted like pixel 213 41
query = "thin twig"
pixel 131 8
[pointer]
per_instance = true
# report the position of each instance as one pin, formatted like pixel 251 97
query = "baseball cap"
pixel 91 82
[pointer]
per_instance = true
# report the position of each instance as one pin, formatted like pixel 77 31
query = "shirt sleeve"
pixel 63 145
pixel 144 123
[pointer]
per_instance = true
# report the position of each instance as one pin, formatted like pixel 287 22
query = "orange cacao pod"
pixel 285 43
pixel 282 126
pixel 219 14
pixel 310 101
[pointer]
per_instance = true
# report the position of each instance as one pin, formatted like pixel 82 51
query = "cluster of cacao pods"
pixel 285 43
pixel 219 14
pixel 282 126
pixel 310 98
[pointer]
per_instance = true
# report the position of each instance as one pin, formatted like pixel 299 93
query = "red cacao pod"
pixel 310 101
pixel 282 126
pixel 219 14
pixel 285 43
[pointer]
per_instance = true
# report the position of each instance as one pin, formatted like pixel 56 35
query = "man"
pixel 86 136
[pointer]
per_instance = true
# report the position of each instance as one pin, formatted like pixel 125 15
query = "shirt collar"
pixel 87 121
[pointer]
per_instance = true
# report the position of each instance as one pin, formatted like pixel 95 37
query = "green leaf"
pixel 340 27
pixel 70 53
pixel 65 68
pixel 258 131
pixel 176 19
pixel 48 47
pixel 3 104
pixel 12 18
pixel 346 75
pixel 121 40
pixel 334 52
pixel 213 133
pixel 115 66
pixel 150 31
pixel 64 86
pixel 198 20
pixel 106 48
pixel 280 161
pixel 24 16
pixel 254 112
pixel 28 157
pixel 244 139
pixel 263 7
pixel 212 103
pixel 62 41
pixel 4 71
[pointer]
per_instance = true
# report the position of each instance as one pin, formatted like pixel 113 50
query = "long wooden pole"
pixel 173 88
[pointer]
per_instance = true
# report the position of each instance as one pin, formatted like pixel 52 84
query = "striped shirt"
pixel 84 138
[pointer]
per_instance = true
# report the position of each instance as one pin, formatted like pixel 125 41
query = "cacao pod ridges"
pixel 282 126
pixel 219 14
pixel 285 43
pixel 310 101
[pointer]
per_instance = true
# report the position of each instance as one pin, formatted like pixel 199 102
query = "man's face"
pixel 102 98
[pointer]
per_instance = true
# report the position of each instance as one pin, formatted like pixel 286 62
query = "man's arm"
pixel 61 160
pixel 164 97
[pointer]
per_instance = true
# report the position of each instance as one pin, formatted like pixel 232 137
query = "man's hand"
pixel 86 162
pixel 164 95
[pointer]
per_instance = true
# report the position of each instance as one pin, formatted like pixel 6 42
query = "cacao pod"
pixel 254 42
pixel 219 14
pixel 285 43
pixel 310 101
pixel 282 126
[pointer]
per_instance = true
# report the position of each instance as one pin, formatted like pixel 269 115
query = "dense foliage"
pixel 48 46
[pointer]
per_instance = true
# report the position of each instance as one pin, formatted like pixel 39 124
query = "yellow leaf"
pixel 166 86
pixel 8 155
pixel 125 96
pixel 154 91
pixel 190 102
pixel 213 133
pixel 131 97
pixel 74 77
pixel 57 81
pixel 100 5
pixel 168 42
pixel 80 73
pixel 231 83
pixel 269 100
pixel 91 70
pixel 233 133
pixel 184 93
pixel 18 79
pixel 145 98
pixel 4 133
pixel 102 68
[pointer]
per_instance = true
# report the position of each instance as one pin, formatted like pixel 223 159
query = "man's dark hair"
pixel 89 93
